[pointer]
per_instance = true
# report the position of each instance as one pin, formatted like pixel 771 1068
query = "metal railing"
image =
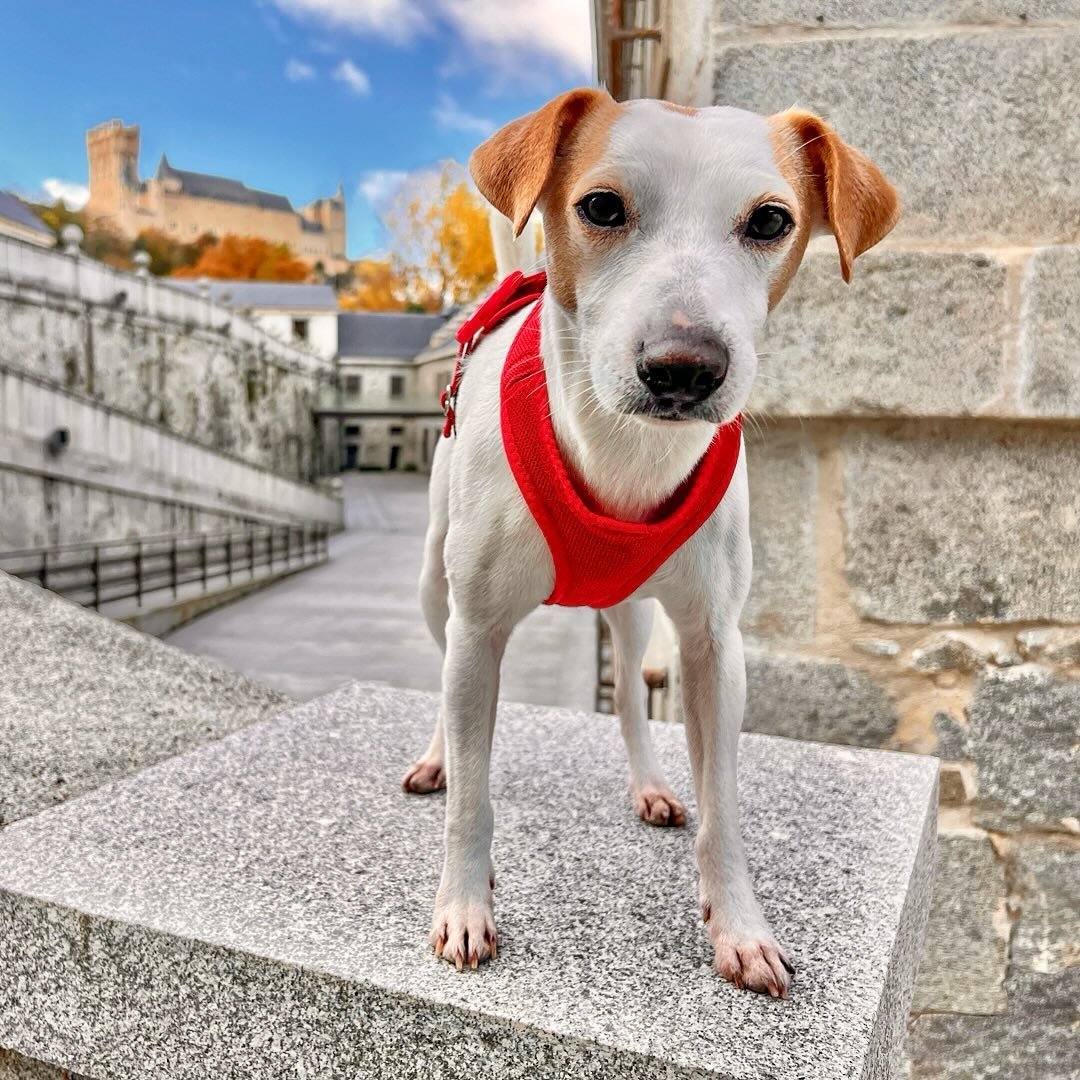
pixel 95 574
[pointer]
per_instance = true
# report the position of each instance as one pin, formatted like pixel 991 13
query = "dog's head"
pixel 672 232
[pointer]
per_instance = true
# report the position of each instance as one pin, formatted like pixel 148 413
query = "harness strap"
pixel 512 294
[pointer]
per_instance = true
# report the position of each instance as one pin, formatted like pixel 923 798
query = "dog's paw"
pixel 656 805
pixel 464 934
pixel 426 776
pixel 752 961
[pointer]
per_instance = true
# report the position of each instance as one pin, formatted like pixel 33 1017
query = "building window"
pixel 300 329
pixel 352 431
pixel 397 386
pixel 396 429
pixel 352 385
pixel 442 380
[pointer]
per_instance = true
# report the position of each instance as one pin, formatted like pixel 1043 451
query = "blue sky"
pixel 286 95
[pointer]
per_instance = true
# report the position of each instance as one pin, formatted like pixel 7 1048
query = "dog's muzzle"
pixel 684 378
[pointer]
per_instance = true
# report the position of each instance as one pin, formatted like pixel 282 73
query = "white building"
pixel 296 313
pixel 389 378
pixel 382 411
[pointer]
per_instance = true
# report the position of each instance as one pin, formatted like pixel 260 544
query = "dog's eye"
pixel 603 208
pixel 767 224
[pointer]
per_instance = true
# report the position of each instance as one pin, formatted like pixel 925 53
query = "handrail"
pixel 108 571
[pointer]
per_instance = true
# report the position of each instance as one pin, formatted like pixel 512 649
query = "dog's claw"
pixel 656 805
pixel 464 935
pixel 751 963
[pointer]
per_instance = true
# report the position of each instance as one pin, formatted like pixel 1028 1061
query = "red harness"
pixel 599 560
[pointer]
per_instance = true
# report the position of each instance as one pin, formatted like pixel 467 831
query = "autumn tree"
pixel 442 243
pixel 100 240
pixel 377 286
pixel 246 258
pixel 167 254
pixel 440 251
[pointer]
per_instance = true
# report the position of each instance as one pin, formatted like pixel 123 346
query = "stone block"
pixel 963 964
pixel 782 469
pixel 952 736
pixel 1035 1040
pixel 84 700
pixel 849 14
pixel 925 108
pixel 1053 645
pixel 819 700
pixel 1050 334
pixel 876 347
pixel 258 908
pixel 950 652
pixel 945 524
pixel 1047 935
pixel 1023 735
pixel 16 1067
pixel 884 647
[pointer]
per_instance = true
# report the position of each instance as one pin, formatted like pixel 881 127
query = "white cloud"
pixel 500 31
pixel 74 195
pixel 449 114
pixel 298 71
pixel 348 73
pixel 379 186
pixel 398 20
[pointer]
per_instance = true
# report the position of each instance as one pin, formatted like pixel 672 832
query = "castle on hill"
pixel 184 205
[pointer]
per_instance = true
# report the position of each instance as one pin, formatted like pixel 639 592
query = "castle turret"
pixel 113 152
pixel 329 213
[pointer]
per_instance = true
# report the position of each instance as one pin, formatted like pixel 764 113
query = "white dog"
pixel 671 233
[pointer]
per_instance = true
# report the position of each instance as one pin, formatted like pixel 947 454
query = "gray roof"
pixel 265 294
pixel 205 186
pixel 378 333
pixel 14 209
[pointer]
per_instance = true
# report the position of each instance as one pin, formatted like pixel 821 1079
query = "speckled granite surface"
pixel 84 700
pixel 259 908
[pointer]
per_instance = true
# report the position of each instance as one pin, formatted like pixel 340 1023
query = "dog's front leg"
pixel 463 926
pixel 714 694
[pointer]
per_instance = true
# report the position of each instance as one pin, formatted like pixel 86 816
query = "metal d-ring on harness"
pixel 449 396
pixel 512 294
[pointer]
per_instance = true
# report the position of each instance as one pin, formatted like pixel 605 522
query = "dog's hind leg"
pixel 631 623
pixel 429 773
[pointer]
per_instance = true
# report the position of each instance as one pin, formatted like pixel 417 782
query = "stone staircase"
pixel 913 472
pixel 257 906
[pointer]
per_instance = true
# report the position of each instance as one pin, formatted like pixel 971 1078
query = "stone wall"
pixel 914 448
pixel 180 413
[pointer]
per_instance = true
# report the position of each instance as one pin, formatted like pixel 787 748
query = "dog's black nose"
pixel 684 378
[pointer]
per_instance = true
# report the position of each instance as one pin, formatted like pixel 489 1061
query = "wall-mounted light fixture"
pixel 57 441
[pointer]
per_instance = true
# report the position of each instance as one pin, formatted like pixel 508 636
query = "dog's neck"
pixel 630 466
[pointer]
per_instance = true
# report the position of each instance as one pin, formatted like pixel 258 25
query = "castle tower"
pixel 330 214
pixel 113 152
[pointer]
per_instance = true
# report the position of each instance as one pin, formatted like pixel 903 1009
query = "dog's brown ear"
pixel 512 167
pixel 853 199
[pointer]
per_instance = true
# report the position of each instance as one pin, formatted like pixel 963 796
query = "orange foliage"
pixel 377 286
pixel 442 252
pixel 246 258
pixel 441 249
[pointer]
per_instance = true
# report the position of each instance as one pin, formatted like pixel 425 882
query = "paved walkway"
pixel 358 617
